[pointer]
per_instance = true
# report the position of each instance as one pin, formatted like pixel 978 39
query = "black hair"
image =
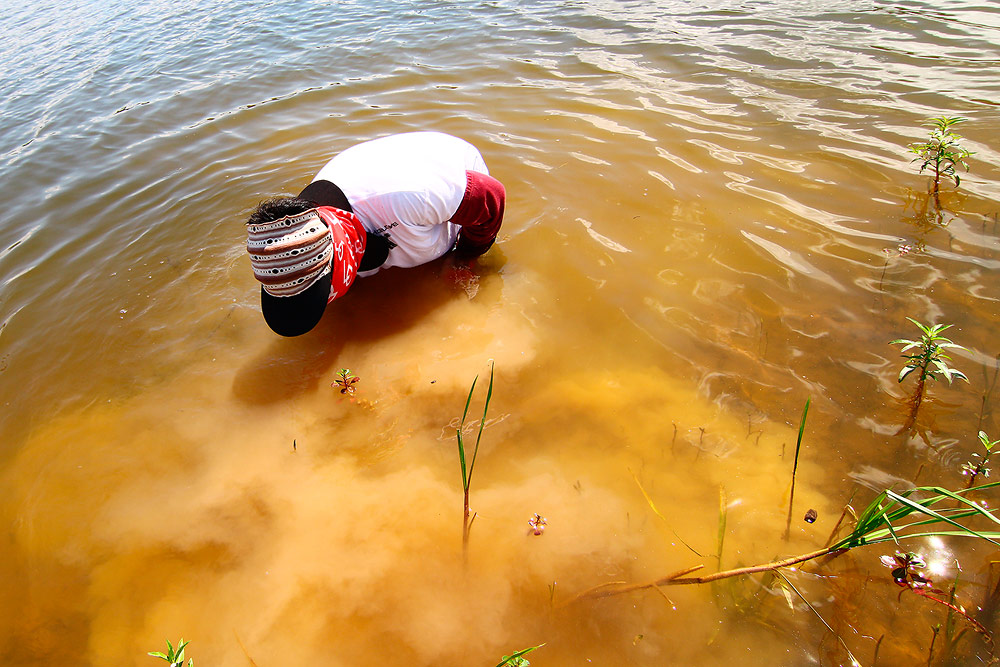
pixel 276 208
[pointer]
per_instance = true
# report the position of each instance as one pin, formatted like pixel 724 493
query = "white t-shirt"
pixel 406 187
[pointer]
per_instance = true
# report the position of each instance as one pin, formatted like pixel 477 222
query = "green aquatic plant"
pixel 942 152
pixel 174 656
pixel 890 517
pixel 929 358
pixel 468 518
pixel 908 574
pixel 978 467
pixel 345 381
pixel 537 524
pixel 517 658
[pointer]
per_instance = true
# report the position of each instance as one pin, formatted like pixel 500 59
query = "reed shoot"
pixel 174 656
pixel 467 470
pixel 795 467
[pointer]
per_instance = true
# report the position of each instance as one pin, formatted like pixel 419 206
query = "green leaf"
pixel 882 536
pixel 906 370
pixel 469 399
pixel 507 659
pixel 482 422
pixel 928 511
pixel 461 458
pixel 888 526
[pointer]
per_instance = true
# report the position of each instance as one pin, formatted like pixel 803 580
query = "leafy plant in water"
pixel 346 381
pixel 891 516
pixel 467 469
pixel 906 572
pixel 942 152
pixel 173 656
pixel 880 522
pixel 537 523
pixel 517 658
pixel 978 467
pixel 929 358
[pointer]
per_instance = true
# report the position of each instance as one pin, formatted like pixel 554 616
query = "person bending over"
pixel 401 200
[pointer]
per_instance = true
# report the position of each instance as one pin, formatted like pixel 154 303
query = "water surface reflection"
pixel 713 217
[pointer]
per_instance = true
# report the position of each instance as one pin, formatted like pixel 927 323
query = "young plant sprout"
pixel 173 656
pixel 905 568
pixel 978 467
pixel 346 381
pixel 942 152
pixel 906 573
pixel 537 524
pixel 929 358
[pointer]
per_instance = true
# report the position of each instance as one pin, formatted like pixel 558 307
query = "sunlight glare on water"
pixel 712 217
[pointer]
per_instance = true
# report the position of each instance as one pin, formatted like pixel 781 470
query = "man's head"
pixel 304 256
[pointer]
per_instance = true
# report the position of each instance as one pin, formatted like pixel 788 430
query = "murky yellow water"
pixel 707 206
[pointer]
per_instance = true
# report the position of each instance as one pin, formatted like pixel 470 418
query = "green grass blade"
pixel 917 507
pixel 882 536
pixel 888 526
pixel 482 422
pixel 461 457
pixel 469 399
pixel 798 442
pixel 926 522
pixel 518 654
pixel 872 515
pixel 973 506
pixel 795 467
pixel 461 444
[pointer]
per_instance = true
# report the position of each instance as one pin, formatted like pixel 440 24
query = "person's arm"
pixel 480 214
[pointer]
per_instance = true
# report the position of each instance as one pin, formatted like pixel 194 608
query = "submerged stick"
pixel 601 590
pixel 767 567
pixel 843 514
pixel 245 651
pixel 678 578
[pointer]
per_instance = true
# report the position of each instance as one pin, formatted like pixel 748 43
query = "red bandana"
pixel 348 247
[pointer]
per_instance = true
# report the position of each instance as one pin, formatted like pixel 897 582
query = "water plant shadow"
pixel 377 307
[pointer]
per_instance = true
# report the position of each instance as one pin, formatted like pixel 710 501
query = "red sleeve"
pixel 479 214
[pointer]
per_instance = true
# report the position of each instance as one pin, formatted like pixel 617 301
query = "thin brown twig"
pixel 976 625
pixel 776 565
pixel 245 651
pixel 847 508
pixel 679 579
pixel 600 591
